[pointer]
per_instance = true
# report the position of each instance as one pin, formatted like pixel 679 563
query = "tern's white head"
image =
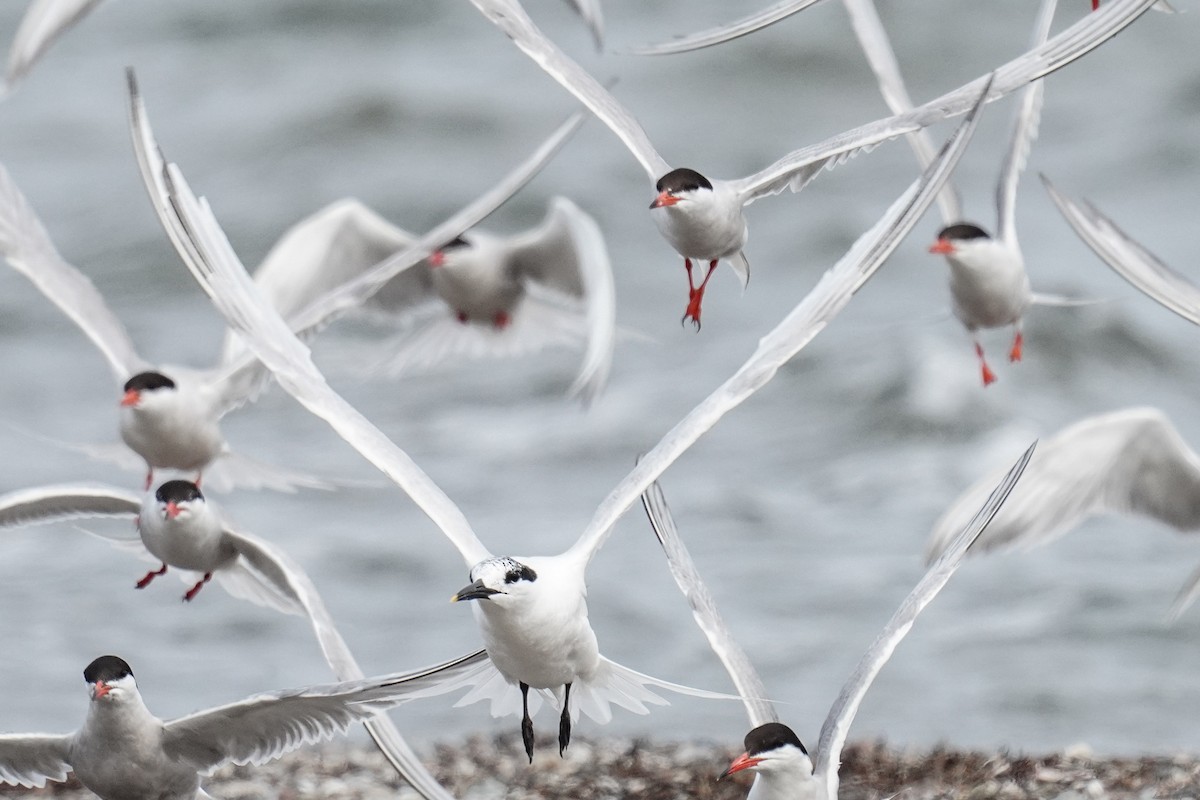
pixel 498 580
pixel 776 755
pixel 110 680
pixel 146 389
pixel 679 186
pixel 179 500
pixel 960 239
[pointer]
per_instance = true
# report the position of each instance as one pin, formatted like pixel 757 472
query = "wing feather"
pixel 32 759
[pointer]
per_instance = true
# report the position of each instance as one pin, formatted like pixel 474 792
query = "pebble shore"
pixel 608 769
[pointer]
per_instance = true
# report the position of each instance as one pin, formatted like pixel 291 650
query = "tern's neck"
pixel 793 780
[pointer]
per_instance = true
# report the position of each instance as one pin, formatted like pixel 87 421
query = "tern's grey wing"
pixel 1025 130
pixel 28 248
pixel 263 727
pixel 593 17
pixel 796 169
pixel 31 759
pixel 809 318
pixel 743 674
pixel 324 250
pixel 354 293
pixel 510 17
pixel 1129 259
pixel 567 253
pixel 841 715
pixel 66 501
pixel 727 32
pixel 1131 461
pixel 876 46
pixel 207 253
pixel 43 23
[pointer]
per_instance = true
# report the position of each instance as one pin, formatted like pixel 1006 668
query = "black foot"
pixel 526 723
pixel 564 722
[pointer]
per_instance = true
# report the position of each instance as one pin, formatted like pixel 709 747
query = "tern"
pixel 480 294
pixel 702 217
pixel 783 768
pixel 532 611
pixel 1131 461
pixel 180 528
pixel 989 287
pixel 124 752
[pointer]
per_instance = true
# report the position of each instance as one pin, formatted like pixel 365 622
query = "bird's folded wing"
pixel 43 23
pixel 841 714
pixel 727 32
pixel 33 759
pixel 1131 460
pixel 28 248
pixel 704 608
pixel 796 169
pixel 66 501
pixel 818 308
pixel 1129 259
pixel 265 726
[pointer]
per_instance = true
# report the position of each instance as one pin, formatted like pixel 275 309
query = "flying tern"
pixel 478 295
pixel 783 768
pixel 1131 461
pixel 532 611
pixel 124 752
pixel 180 528
pixel 702 217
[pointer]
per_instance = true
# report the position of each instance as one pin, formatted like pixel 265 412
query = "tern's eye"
pixel 523 573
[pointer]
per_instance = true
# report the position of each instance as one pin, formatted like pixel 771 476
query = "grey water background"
pixel 806 509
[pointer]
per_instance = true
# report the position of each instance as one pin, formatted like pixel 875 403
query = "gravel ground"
pixel 482 769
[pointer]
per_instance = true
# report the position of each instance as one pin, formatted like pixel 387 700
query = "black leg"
pixel 564 722
pixel 526 722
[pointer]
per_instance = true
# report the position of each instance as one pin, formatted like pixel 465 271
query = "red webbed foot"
pixel 195 590
pixel 144 582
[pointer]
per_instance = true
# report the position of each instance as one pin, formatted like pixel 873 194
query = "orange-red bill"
pixel 942 247
pixel 664 199
pixel 131 398
pixel 744 761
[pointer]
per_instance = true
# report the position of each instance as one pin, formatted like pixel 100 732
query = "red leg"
pixel 988 376
pixel 195 590
pixel 1018 343
pixel 501 320
pixel 696 294
pixel 151 575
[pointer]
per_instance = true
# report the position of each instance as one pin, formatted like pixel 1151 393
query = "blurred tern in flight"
pixel 1128 258
pixel 783 767
pixel 1131 461
pixel 124 752
pixel 181 529
pixel 532 611
pixel 479 295
pixel 702 217
pixel 988 284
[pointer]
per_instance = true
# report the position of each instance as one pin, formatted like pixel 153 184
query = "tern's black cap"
pixel 149 381
pixel 963 230
pixel 682 180
pixel 107 669
pixel 770 736
pixel 178 491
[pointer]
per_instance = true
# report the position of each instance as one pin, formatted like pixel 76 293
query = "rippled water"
pixel 806 509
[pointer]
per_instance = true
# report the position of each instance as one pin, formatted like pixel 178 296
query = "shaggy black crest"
pixel 178 491
pixel 520 572
pixel 767 737
pixel 963 230
pixel 107 669
pixel 149 380
pixel 682 180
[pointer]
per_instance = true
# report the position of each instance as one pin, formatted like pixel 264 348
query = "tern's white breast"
pixel 705 224
pixel 173 429
pixel 988 284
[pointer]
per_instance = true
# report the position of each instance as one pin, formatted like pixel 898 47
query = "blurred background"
pixel 807 508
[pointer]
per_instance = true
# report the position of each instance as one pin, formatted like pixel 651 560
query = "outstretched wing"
pixel 263 727
pixel 798 328
pixel 743 674
pixel 43 23
pixel 66 501
pixel 796 169
pixel 203 246
pixel 28 248
pixel 34 758
pixel 1129 259
pixel 841 715
pixel 1025 130
pixel 727 32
